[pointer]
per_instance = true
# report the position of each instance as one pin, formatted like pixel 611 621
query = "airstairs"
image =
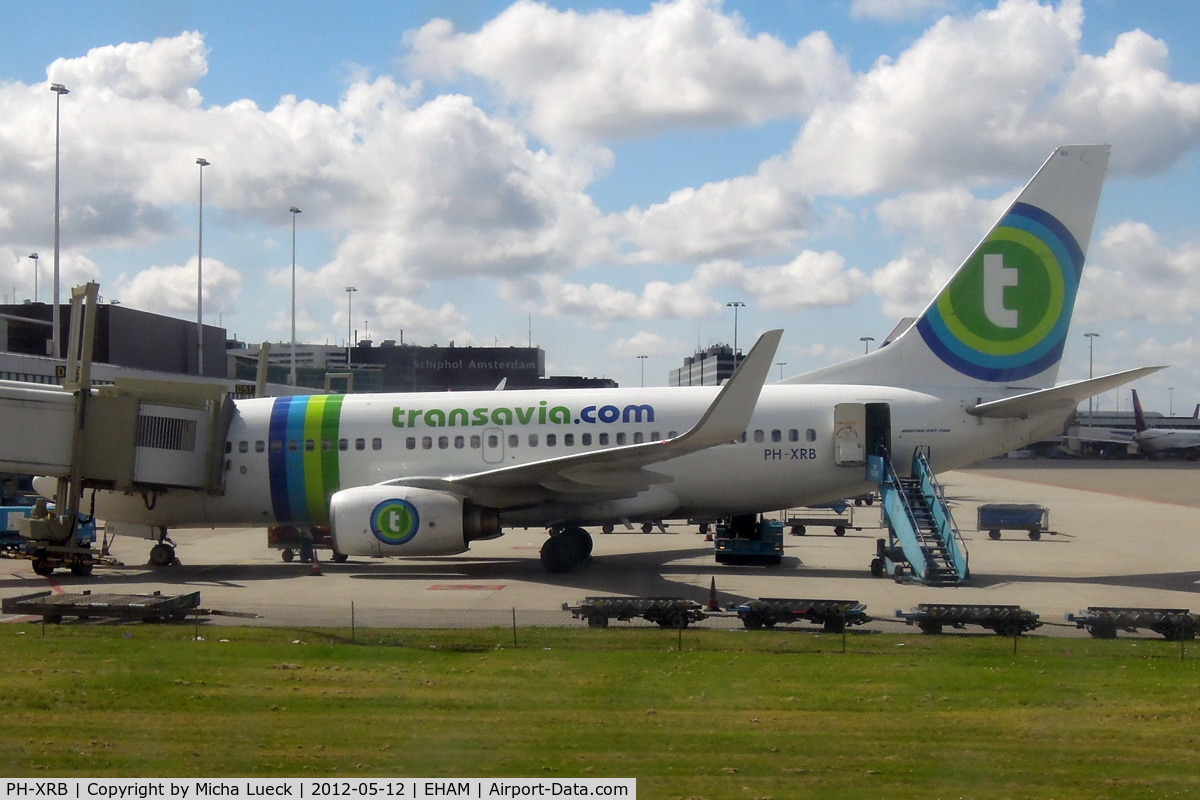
pixel 923 543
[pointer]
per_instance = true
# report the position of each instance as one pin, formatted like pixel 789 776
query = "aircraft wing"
pixel 619 471
pixel 1062 397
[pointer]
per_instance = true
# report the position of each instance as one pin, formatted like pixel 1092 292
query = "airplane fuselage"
pixel 285 457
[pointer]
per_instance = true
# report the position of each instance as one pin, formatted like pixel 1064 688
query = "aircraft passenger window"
pixel 743 439
pixel 360 444
pixel 533 440
pixel 260 446
pixel 603 439
pixel 443 442
pixel 621 438
pixel 276 446
pixel 243 447
pixel 343 445
pixel 327 445
pixel 229 447
pixel 638 437
pixel 551 440
pixel 810 435
pixel 568 440
pixel 460 442
pixel 410 443
pixel 655 437
pixel 586 440
pixel 672 434
pixel 493 442
pixel 513 440
pixel 793 435
pixel 758 436
pixel 377 443
pixel 776 435
pixel 310 445
pixel 426 442
pixel 293 446
pixel 476 442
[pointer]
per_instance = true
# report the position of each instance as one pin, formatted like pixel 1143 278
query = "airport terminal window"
pixel 410 443
pixel 377 443
pixel 360 444
pixel 476 442
pixel 426 442
pixel 603 440
pixel 533 440
pixel 460 442
pixel 443 442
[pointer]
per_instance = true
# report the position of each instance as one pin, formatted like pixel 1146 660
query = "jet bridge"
pixel 133 436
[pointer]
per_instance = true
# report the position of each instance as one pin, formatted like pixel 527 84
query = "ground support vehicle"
pixel 839 516
pixel 76 554
pixel 834 615
pixel 1005 620
pixel 1103 622
pixel 1028 517
pixel 748 540
pixel 666 612
pixel 52 607
pixel 292 541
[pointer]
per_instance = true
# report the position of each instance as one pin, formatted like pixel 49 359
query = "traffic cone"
pixel 712 597
pixel 316 564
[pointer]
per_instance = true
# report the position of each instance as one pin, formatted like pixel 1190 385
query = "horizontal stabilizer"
pixel 1058 397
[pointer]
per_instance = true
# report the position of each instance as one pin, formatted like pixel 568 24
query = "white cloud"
pixel 1131 275
pixel 611 75
pixel 894 10
pixel 646 343
pixel 172 289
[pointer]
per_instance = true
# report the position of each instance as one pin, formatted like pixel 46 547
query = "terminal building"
pixel 710 367
pixel 142 344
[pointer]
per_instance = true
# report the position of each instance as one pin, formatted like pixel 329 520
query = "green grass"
pixel 732 715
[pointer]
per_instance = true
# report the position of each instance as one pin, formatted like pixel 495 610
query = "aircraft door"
pixel 493 446
pixel 879 429
pixel 849 434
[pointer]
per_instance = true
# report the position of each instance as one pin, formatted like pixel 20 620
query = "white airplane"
pixel 426 474
pixel 1155 441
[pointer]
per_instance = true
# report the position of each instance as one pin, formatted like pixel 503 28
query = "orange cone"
pixel 316 564
pixel 712 597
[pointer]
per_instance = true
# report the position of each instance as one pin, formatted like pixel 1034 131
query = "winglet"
pixel 729 414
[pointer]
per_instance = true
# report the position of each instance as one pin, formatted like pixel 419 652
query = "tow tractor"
pixel 74 553
pixel 748 539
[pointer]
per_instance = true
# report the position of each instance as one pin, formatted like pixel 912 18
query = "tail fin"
pixel 1196 413
pixel 1139 419
pixel 1002 319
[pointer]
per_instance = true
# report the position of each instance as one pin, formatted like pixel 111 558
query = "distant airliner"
pixel 425 474
pixel 1156 441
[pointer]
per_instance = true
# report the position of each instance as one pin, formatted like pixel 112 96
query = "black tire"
pixel 1103 630
pixel 877 567
pixel 340 558
pixel 162 555
pixel 81 568
pixel 647 527
pixel 42 566
pixel 288 554
pixel 839 530
pixel 563 552
pixel 606 528
pixel 931 628
pixel 1035 535
pixel 597 622
pixel 993 534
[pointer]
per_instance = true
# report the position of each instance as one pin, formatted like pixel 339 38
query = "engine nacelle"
pixel 404 521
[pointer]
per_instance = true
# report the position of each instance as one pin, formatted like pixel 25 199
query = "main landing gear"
pixel 567 548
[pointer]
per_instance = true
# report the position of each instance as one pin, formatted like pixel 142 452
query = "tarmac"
pixel 1124 534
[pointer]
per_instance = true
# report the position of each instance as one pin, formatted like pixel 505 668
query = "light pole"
pixel 735 305
pixel 294 211
pixel 866 340
pixel 1091 337
pixel 59 90
pixel 34 256
pixel 350 290
pixel 202 163
pixel 643 360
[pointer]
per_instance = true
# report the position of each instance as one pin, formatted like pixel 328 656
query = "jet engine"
pixel 385 520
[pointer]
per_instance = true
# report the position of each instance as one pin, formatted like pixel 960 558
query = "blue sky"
pixel 607 174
